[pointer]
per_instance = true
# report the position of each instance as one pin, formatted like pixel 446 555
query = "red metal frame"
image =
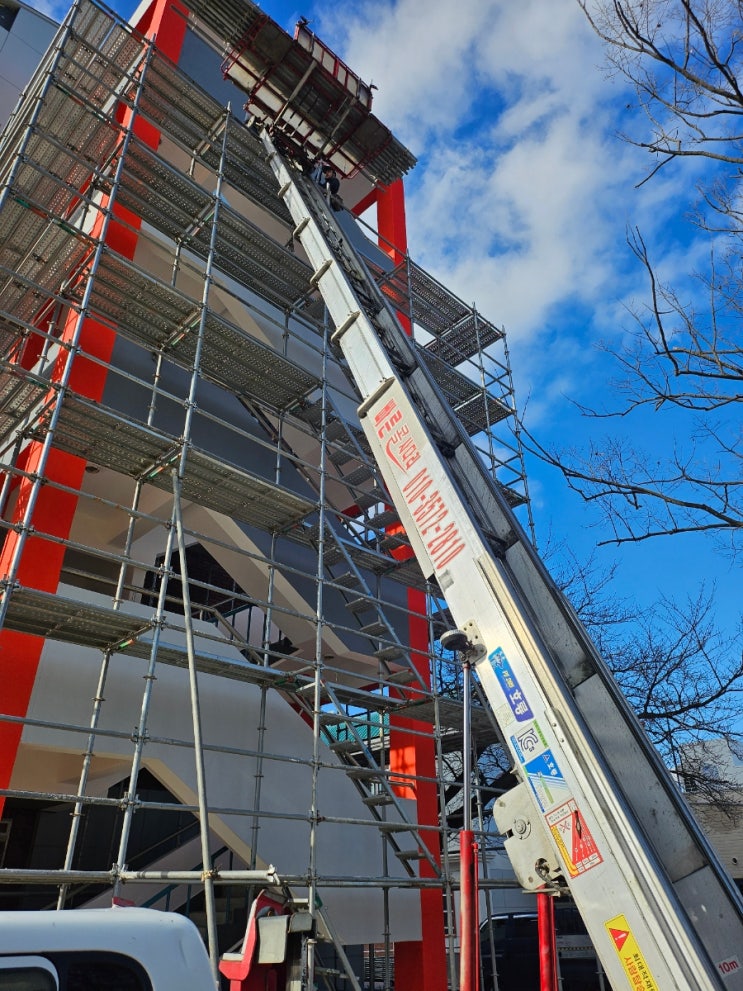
pixel 338 63
pixel 361 97
pixel 547 942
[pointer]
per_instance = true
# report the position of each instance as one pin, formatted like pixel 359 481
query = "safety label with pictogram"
pixel 573 837
pixel 629 953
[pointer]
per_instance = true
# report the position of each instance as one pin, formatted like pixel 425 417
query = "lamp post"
pixel 469 936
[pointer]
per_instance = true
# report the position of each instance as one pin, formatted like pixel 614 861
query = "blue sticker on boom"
pixel 511 688
pixel 546 780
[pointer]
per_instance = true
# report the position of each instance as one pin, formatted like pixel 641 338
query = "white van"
pixel 116 949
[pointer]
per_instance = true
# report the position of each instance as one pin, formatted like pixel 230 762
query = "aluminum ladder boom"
pixel 595 809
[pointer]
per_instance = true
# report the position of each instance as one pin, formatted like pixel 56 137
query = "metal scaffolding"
pixel 224 400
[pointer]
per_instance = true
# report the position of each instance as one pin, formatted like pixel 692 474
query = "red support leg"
pixel 547 942
pixel 469 923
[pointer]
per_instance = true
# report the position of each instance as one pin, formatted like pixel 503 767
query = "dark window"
pixel 209 584
pixel 516 944
pixel 8 13
pixel 99 971
pixel 26 979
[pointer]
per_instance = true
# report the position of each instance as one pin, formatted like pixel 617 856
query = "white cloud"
pixel 523 193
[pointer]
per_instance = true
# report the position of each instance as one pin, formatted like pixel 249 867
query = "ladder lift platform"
pixel 317 107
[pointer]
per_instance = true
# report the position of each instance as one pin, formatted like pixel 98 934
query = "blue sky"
pixel 521 203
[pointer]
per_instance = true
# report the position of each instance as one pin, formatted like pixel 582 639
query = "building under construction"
pixel 221 662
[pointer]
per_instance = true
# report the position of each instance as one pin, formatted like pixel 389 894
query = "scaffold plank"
pixel 107 438
pixel 49 615
pixel 466 338
pixel 458 331
pixel 20 393
pixel 182 210
pixel 56 617
pixel 161 318
pixel 38 248
pixel 475 407
pixel 190 116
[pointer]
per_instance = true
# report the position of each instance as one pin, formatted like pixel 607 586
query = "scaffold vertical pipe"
pixel 140 732
pixel 548 979
pixel 319 602
pixel 487 893
pixel 517 431
pixel 193 683
pixel 72 350
pixel 468 947
pixel 178 477
pixel 449 903
pixel 98 702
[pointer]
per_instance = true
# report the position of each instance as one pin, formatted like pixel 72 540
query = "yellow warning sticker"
pixel 633 961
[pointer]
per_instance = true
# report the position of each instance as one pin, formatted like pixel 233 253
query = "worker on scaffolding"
pixel 328 181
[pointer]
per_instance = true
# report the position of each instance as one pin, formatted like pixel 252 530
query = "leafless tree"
pixel 684 59
pixel 683 364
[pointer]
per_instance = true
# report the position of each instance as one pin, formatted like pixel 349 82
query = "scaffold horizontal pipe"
pixel 230 877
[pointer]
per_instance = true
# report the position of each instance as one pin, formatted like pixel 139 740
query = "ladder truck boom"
pixel 595 808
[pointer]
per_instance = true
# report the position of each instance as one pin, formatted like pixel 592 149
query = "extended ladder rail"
pixel 595 806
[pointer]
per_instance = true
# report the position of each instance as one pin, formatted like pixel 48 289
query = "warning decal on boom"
pixel 633 961
pixel 574 839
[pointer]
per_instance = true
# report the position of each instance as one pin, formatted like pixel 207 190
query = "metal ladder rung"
pixel 375 629
pixel 332 718
pixel 349 580
pixel 383 519
pixel 379 799
pixel 361 604
pixel 370 498
pixel 345 746
pixel 340 456
pixel 391 653
pixel 364 773
pixel 359 475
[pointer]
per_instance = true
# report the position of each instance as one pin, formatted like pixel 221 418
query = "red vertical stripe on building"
pixel 41 561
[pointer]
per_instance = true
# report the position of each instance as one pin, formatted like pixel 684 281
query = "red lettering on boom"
pixel 401 449
pixel 386 418
pixel 446 543
pixel 430 513
pixel 416 487
pixel 445 546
